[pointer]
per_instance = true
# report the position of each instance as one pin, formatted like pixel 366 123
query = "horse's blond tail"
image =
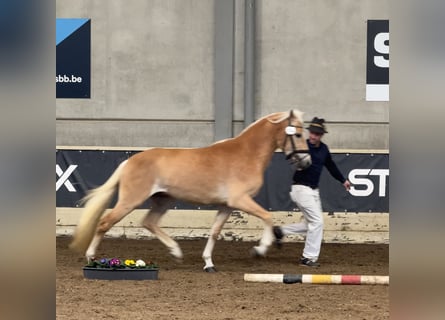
pixel 96 201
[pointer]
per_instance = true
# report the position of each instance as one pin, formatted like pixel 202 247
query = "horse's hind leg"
pixel 160 205
pixel 221 218
pixel 106 222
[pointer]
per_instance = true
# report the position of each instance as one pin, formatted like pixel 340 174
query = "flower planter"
pixel 115 269
pixel 120 274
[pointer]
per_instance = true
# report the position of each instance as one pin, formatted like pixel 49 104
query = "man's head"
pixel 316 130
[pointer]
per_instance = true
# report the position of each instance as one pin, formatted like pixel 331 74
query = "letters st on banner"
pixel 78 171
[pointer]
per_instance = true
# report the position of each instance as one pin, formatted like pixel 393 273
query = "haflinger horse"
pixel 227 173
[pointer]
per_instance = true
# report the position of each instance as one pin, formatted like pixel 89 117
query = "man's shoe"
pixel 309 263
pixel 278 236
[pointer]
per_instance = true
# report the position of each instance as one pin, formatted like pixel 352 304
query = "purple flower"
pixel 103 261
pixel 115 262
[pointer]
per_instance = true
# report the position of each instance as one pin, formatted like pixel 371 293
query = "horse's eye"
pixel 298 135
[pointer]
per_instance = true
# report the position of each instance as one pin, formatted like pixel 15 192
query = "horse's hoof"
pixel 255 254
pixel 177 253
pixel 177 260
pixel 210 269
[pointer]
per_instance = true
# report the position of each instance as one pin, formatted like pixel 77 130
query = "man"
pixel 305 194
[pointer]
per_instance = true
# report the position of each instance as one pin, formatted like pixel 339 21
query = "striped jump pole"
pixel 316 278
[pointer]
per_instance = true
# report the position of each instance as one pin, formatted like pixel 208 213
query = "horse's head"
pixel 291 140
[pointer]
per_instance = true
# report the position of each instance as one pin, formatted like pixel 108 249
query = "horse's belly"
pixel 199 195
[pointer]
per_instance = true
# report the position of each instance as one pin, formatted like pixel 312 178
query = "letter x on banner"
pixel 64 176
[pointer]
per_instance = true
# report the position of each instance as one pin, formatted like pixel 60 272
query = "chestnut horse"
pixel 227 173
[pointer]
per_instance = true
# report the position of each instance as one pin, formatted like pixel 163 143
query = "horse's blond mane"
pixel 280 116
pixel 277 117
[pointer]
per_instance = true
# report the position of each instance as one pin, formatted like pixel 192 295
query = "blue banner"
pixel 73 56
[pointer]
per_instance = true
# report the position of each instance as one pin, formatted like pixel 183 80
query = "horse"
pixel 227 173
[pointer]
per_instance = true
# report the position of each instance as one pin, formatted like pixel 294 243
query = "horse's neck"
pixel 260 141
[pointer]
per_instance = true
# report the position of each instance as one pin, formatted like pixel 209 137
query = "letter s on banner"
pixel 360 181
pixel 381 47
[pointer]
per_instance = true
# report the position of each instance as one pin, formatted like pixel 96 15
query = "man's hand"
pixel 347 185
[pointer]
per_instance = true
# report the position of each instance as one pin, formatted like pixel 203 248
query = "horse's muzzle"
pixel 300 160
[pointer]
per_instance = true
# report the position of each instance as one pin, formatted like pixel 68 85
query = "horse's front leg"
pixel 220 219
pixel 248 205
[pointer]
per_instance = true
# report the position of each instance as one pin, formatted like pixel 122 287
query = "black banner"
pixel 80 170
pixel 377 61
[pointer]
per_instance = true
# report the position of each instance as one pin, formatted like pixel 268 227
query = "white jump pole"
pixel 317 278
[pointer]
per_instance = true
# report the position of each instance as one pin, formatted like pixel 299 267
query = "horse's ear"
pixel 297 114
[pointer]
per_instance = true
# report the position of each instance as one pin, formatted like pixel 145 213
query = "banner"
pixel 377 61
pixel 78 171
pixel 73 56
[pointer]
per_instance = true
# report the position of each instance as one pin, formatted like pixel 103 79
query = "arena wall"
pixel 190 224
pixel 153 71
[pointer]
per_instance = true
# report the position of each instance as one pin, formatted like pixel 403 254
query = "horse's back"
pixel 215 153
pixel 175 163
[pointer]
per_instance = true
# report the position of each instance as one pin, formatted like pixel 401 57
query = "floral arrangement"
pixel 115 263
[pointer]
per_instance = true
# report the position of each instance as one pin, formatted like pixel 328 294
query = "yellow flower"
pixel 129 262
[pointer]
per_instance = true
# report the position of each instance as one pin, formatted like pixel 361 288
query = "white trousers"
pixel 308 201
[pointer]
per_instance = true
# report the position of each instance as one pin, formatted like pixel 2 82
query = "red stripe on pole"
pixel 351 279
